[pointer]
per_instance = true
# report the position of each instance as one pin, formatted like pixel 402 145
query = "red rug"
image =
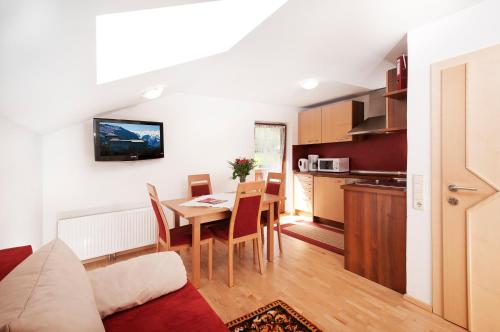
pixel 323 236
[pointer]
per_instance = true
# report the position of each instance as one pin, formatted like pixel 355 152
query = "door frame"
pixel 436 176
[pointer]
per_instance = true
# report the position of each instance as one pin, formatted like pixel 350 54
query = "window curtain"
pixel 269 147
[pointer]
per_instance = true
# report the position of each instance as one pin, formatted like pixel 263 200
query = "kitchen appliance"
pixel 376 122
pixel 303 165
pixel 394 183
pixel 333 164
pixel 313 162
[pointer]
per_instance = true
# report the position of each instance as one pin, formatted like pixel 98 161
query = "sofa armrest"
pixel 12 257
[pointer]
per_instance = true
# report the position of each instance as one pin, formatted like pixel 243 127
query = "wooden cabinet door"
pixel 336 121
pixel 329 198
pixel 310 126
pixel 303 192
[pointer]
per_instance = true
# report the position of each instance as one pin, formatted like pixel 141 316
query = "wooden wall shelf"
pixel 399 94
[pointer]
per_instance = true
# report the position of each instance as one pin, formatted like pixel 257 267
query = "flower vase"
pixel 243 179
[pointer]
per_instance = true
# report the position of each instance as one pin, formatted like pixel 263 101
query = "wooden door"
pixel 336 121
pixel 470 202
pixel 310 126
pixel 329 198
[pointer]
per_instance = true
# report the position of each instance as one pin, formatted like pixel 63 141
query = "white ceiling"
pixel 47 56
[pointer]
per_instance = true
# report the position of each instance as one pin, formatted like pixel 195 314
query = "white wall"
pixel 469 30
pixel 201 135
pixel 20 186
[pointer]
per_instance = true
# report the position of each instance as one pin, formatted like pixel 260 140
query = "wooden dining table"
pixel 200 215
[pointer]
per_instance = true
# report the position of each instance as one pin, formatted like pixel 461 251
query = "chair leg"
pixel 259 255
pixel 230 256
pixel 210 258
pixel 254 244
pixel 262 233
pixel 279 235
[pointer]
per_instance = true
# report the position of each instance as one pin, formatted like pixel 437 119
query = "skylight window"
pixel 137 42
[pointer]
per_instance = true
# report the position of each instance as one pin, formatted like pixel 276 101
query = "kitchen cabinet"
pixel 337 119
pixel 303 193
pixel 375 234
pixel 329 198
pixel 310 126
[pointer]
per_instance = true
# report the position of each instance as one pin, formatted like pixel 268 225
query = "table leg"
pixel 177 220
pixel 270 232
pixel 195 252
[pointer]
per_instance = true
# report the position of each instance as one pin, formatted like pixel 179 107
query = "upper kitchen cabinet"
pixel 330 123
pixel 337 119
pixel 310 126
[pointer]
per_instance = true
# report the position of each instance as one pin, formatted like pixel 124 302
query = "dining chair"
pixel 177 238
pixel 274 186
pixel 199 185
pixel 244 223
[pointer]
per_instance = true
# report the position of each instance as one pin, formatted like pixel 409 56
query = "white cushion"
pixel 48 291
pixel 136 281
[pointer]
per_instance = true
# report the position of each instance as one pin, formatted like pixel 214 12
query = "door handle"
pixel 455 188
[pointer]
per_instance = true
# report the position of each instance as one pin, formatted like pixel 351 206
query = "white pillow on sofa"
pixel 136 281
pixel 48 291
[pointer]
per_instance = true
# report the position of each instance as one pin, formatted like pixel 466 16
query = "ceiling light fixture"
pixel 153 93
pixel 309 83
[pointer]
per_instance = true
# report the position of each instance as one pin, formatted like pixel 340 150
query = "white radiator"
pixel 100 234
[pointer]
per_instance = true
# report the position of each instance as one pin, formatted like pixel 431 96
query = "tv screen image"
pixel 127 139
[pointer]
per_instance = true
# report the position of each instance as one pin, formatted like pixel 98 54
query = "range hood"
pixel 373 125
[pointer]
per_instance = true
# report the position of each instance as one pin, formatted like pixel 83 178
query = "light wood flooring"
pixel 313 281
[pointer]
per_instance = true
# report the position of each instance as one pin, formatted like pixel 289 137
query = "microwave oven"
pixel 333 164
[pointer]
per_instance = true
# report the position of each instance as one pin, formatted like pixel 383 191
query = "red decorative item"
pixel 402 72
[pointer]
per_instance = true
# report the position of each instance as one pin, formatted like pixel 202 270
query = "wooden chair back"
pixel 199 185
pixel 163 237
pixel 274 184
pixel 245 219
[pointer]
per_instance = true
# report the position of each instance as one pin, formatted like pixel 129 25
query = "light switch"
pixel 418 192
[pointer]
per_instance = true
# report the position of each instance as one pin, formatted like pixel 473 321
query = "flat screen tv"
pixel 123 140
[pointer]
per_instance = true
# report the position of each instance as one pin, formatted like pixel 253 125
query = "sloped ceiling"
pixel 47 56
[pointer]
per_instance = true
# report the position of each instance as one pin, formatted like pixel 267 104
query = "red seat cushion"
pixel 12 257
pixel 182 310
pixel 221 230
pixel 273 188
pixel 183 235
pixel 200 190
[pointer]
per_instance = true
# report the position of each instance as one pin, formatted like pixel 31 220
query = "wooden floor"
pixel 313 281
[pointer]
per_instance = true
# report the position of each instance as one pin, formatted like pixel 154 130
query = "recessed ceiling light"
pixel 309 83
pixel 137 42
pixel 153 93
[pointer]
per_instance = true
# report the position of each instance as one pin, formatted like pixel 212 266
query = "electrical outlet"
pixel 418 192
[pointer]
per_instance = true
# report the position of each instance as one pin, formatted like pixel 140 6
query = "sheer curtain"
pixel 269 148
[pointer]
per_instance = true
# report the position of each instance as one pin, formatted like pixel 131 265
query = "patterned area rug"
pixel 277 316
pixel 323 236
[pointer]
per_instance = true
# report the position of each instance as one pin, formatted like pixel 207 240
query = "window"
pixel 270 142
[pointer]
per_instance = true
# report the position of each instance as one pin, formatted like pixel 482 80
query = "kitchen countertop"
pixel 375 189
pixel 353 175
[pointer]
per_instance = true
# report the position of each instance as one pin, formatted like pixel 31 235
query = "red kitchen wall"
pixel 373 153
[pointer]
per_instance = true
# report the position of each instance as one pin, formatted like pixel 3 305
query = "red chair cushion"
pixel 221 230
pixel 183 235
pixel 12 257
pixel 245 222
pixel 200 190
pixel 273 188
pixel 182 310
pixel 162 232
pixel 263 216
